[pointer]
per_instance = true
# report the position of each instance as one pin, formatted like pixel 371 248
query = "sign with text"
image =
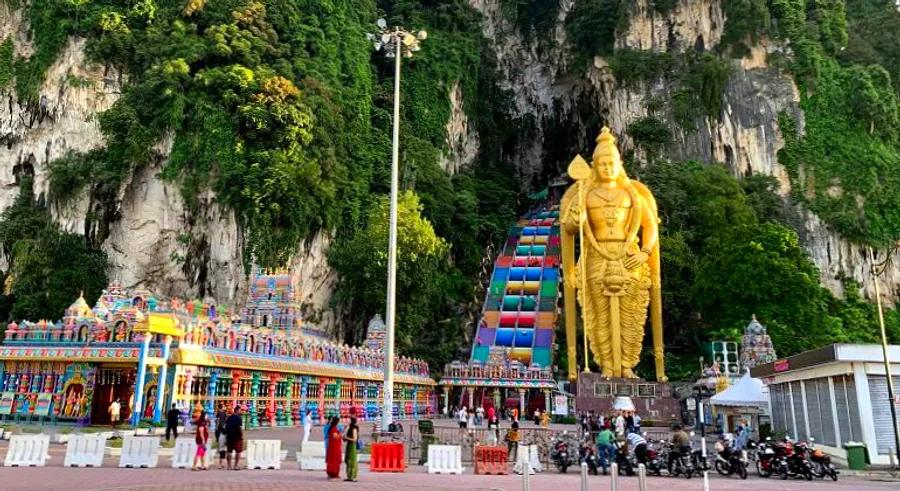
pixel 6 402
pixel 43 404
pixel 782 365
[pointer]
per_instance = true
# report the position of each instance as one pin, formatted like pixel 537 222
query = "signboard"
pixel 560 405
pixel 43 404
pixel 6 402
pixel 782 365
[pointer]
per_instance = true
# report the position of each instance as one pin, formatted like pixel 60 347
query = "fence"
pixel 467 439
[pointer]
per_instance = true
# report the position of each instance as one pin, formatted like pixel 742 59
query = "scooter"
pixel 729 460
pixel 821 461
pixel 656 458
pixel 789 463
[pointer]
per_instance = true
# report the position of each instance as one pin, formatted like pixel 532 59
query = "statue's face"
pixel 607 168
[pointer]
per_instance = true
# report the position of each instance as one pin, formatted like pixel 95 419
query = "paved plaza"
pixel 54 477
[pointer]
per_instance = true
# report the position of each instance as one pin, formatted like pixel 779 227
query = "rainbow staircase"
pixel 520 313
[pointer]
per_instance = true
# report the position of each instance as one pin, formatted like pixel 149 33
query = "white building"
pixel 835 394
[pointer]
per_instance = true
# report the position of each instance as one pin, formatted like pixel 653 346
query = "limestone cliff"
pixel 745 137
pixel 152 237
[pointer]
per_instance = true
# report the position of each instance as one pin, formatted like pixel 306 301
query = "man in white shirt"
pixel 620 425
pixel 115 411
pixel 638 445
pixel 463 419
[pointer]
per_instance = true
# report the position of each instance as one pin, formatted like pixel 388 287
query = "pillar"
pixel 161 385
pixel 521 403
pixel 471 392
pixel 497 401
pixel 303 381
pixel 415 402
pixel 447 398
pixel 547 401
pixel 211 393
pixel 321 401
pixel 141 378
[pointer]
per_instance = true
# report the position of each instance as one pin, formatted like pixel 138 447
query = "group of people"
pixel 607 432
pixel 335 435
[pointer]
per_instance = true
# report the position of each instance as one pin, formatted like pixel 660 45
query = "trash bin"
pixel 856 455
pixel 426 430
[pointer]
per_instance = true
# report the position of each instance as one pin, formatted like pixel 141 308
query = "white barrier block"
pixel 445 459
pixel 312 456
pixel 522 460
pixel 264 454
pixel 185 450
pixel 535 459
pixel 27 451
pixel 139 451
pixel 85 450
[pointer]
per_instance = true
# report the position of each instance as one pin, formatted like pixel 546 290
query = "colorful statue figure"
pixel 614 219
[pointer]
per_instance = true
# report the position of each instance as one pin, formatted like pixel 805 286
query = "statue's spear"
pixel 580 171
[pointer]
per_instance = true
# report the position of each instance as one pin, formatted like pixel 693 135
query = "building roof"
pixel 747 391
pixel 828 354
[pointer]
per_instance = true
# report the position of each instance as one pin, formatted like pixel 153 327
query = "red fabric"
pixel 333 456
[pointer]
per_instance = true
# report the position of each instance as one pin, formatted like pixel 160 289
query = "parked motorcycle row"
pixel 782 459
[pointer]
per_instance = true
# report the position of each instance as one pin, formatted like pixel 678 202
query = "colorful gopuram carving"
pixel 756 346
pixel 265 359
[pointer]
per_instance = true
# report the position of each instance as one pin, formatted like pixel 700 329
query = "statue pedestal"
pixel 652 400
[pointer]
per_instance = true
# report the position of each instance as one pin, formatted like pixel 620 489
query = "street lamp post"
pixel 884 348
pixel 396 43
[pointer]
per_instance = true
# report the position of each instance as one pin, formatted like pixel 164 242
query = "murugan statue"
pixel 617 273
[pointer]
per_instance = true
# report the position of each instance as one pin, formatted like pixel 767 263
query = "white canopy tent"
pixel 747 391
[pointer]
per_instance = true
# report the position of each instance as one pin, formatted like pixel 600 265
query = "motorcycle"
pixel 656 458
pixel 563 453
pixel 681 461
pixel 730 460
pixel 589 456
pixel 764 457
pixel 821 461
pixel 791 461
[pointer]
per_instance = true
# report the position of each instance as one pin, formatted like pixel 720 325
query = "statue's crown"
pixel 606 144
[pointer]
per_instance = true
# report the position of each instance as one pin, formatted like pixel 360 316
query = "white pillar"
pixel 522 404
pixel 805 410
pixel 864 402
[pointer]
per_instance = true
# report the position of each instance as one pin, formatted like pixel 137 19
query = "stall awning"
pixel 747 391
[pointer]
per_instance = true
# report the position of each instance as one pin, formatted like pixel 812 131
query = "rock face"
pixel 153 238
pixel 745 137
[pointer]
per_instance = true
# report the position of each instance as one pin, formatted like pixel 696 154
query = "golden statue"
pixel 618 272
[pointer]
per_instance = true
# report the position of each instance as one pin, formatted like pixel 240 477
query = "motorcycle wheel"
pixel 722 468
pixel 784 473
pixel 563 468
pixel 807 474
pixel 742 471
pixel 762 472
pixel 688 474
pixel 833 474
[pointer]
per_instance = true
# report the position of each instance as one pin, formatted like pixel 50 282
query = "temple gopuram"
pixel 149 354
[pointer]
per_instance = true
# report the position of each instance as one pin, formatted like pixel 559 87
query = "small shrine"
pixel 756 346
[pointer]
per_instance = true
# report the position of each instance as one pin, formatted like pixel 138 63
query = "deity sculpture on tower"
pixel 614 221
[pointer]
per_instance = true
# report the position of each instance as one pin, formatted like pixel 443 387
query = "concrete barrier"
pixel 523 460
pixel 85 451
pixel 185 450
pixel 312 456
pixel 534 459
pixel 263 454
pixel 27 451
pixel 139 451
pixel 444 459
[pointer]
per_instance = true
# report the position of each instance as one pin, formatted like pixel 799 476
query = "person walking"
pixel 512 441
pixel 172 419
pixel 333 451
pixel 620 425
pixel 234 438
pixel 115 412
pixel 201 438
pixel 221 417
pixel 463 419
pixel 352 439
pixel 637 423
pixel 307 428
